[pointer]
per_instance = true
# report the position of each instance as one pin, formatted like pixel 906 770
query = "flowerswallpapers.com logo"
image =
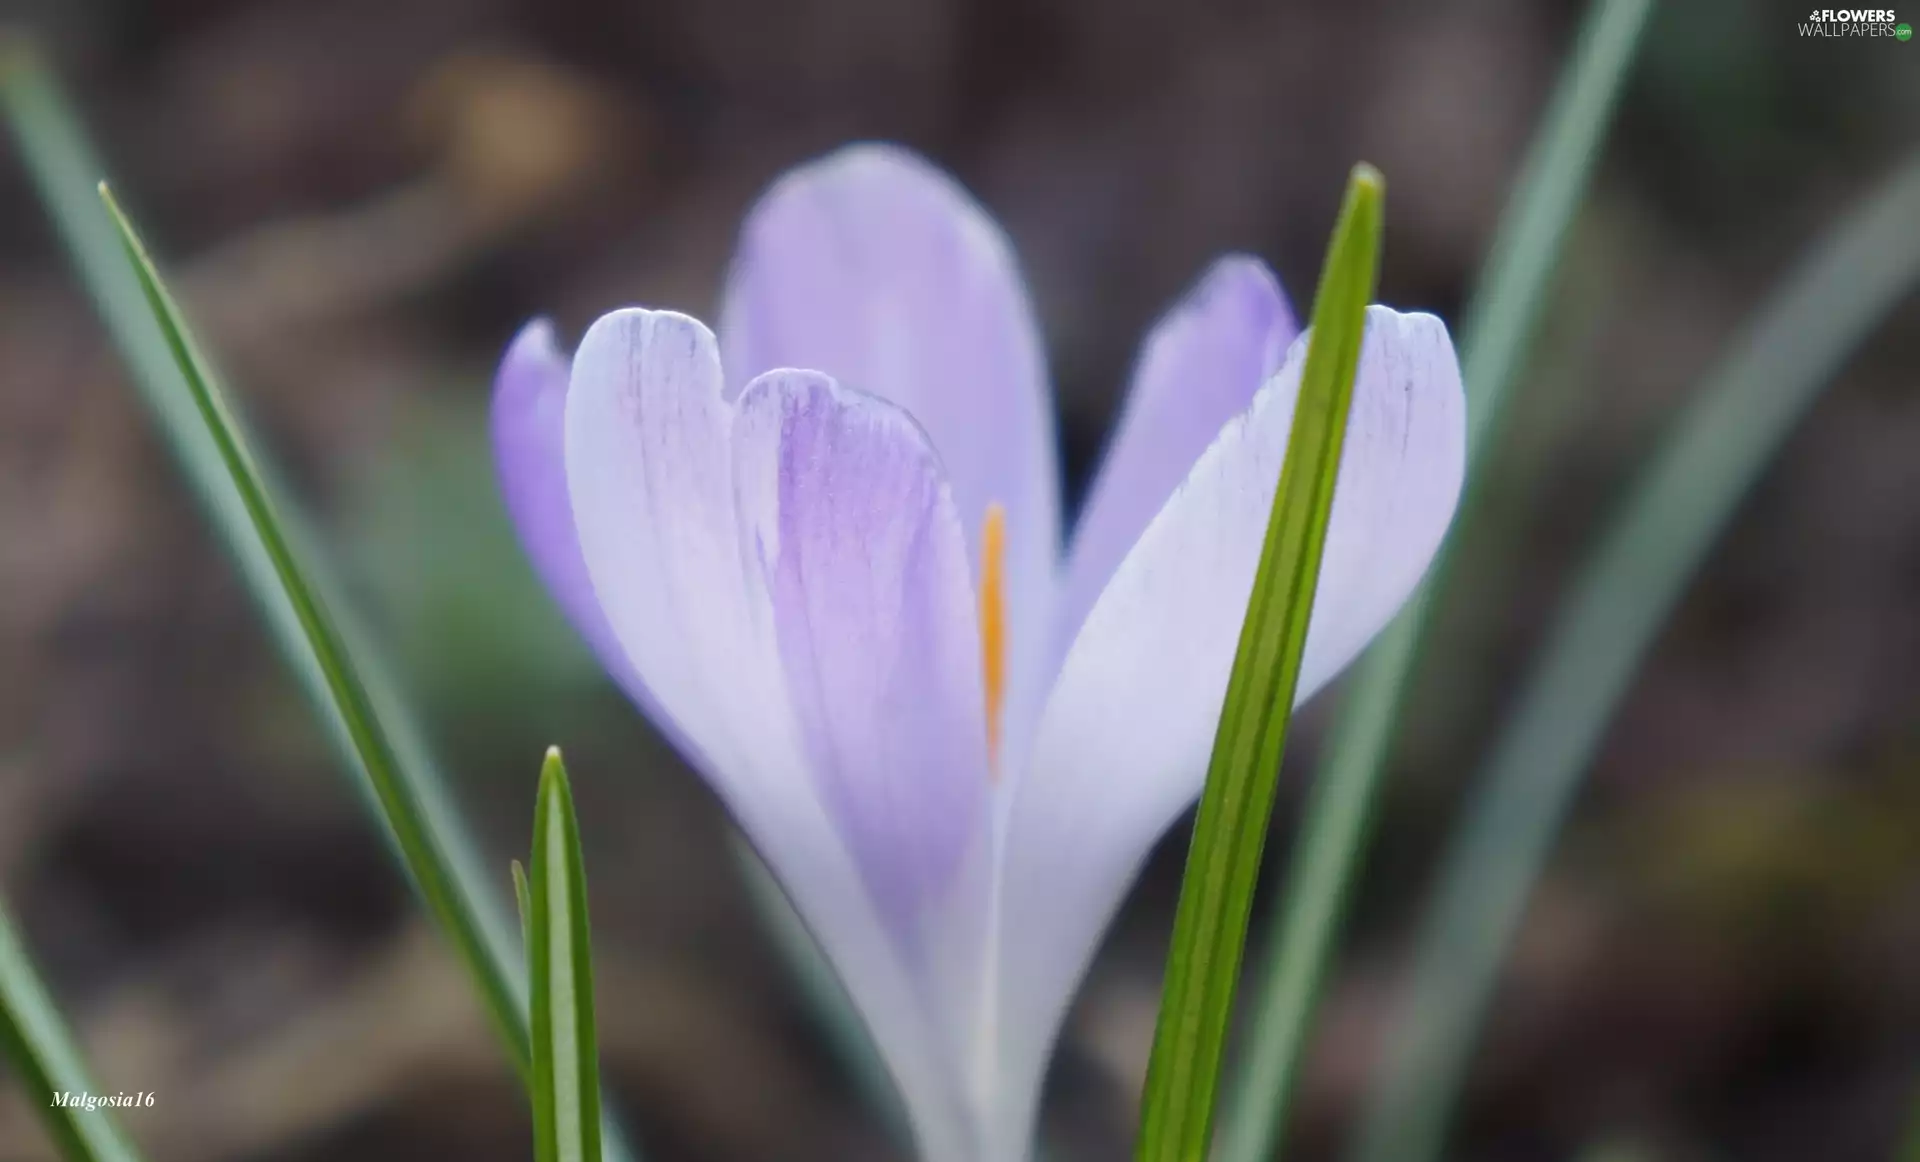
pixel 1855 22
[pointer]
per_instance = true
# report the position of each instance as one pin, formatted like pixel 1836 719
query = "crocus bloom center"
pixel 993 622
pixel 841 591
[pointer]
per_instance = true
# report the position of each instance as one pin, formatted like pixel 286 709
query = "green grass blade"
pixel 1679 503
pixel 566 1068
pixel 1333 834
pixel 65 171
pixel 45 1059
pixel 522 899
pixel 1512 294
pixel 1223 861
pixel 1501 321
pixel 424 851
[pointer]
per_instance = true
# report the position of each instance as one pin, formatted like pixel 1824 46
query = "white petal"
pixel 1123 744
pixel 650 476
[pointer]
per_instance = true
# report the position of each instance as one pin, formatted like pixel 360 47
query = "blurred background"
pixel 362 200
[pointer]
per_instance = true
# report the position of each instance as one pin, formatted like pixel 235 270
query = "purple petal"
pixel 528 427
pixel 1200 367
pixel 844 506
pixel 876 268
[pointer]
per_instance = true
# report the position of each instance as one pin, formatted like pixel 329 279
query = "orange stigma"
pixel 993 623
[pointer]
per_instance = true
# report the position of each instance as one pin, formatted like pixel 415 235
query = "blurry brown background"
pixel 362 199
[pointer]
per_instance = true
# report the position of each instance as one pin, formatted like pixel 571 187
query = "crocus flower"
pixel 823 553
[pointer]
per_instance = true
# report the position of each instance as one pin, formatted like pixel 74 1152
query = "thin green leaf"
pixel 65 171
pixel 1678 504
pixel 566 1069
pixel 420 843
pixel 1223 861
pixel 1500 323
pixel 1507 305
pixel 521 900
pixel 45 1059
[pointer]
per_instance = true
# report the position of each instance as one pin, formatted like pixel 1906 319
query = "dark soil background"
pixel 361 200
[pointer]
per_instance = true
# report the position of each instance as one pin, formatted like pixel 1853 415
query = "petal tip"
pixel 531 362
pixel 875 157
pixel 787 381
pixel 535 336
pixel 858 178
pixel 807 389
pixel 1425 335
pixel 642 327
pixel 1254 284
pixel 647 318
pixel 1238 268
pixel 1410 321
pixel 531 378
